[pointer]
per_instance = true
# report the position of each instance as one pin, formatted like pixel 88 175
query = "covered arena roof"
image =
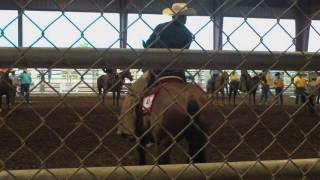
pixel 235 8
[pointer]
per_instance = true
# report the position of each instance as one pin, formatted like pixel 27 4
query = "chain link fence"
pixel 203 125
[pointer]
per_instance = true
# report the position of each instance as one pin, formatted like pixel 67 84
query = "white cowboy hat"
pixel 179 9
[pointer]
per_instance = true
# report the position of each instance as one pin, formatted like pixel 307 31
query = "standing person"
pixel 25 81
pixel 300 84
pixel 279 84
pixel 266 81
pixel 172 34
pixel 15 83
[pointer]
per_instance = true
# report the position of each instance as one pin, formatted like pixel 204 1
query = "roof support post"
pixel 20 28
pixel 217 32
pixel 123 23
pixel 303 23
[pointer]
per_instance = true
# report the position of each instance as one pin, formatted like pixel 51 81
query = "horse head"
pixel 225 75
pixel 127 74
pixel 4 76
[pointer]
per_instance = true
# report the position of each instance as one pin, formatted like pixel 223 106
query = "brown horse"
pixel 113 83
pixel 249 84
pixel 176 114
pixel 312 91
pixel 217 83
pixel 6 89
pixel 233 90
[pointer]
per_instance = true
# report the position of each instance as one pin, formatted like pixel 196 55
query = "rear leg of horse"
pixel 103 95
pixel 0 103
pixel 217 98
pixel 163 150
pixel 118 97
pixel 222 96
pixel 229 96
pixel 232 93
pixel 99 89
pixel 196 140
pixel 113 97
pixel 254 97
pixel 8 101
pixel 138 133
pixel 141 152
pixel 310 105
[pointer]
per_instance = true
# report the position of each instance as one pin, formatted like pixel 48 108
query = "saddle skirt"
pixel 151 95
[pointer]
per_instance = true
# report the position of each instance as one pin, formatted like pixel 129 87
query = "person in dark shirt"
pixel 172 35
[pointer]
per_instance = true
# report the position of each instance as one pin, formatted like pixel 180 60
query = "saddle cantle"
pixel 151 95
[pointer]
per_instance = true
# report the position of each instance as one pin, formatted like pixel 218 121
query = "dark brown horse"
pixel 249 84
pixel 6 89
pixel 312 91
pixel 175 115
pixel 233 90
pixel 113 83
pixel 217 83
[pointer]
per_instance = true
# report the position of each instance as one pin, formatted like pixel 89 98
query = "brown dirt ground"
pixel 39 135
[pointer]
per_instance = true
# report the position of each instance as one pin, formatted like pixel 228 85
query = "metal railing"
pixel 70 137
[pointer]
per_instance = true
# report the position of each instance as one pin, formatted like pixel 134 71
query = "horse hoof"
pixel 127 137
pixel 149 144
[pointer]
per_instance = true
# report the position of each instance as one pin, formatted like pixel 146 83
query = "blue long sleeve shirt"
pixel 25 78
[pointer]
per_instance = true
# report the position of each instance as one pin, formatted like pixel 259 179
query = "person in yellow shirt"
pixel 233 76
pixel 266 82
pixel 279 84
pixel 234 86
pixel 300 84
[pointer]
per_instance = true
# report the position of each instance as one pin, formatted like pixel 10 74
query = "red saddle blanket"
pixel 151 95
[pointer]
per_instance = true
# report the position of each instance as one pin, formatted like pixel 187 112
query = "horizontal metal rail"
pixel 155 58
pixel 280 168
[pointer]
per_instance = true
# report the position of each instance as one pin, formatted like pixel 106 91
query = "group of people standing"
pixel 21 82
pixel 299 81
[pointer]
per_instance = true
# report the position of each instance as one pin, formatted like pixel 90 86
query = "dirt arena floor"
pixel 79 131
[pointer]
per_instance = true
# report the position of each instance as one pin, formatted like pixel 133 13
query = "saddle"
pixel 151 95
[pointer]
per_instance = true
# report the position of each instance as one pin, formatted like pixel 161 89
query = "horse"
pixel 233 91
pixel 176 114
pixel 217 83
pixel 249 84
pixel 113 83
pixel 312 91
pixel 6 89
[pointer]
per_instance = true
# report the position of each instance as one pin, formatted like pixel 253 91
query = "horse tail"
pixel 192 106
pixel 195 136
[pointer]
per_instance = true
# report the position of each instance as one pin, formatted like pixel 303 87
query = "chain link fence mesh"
pixel 69 125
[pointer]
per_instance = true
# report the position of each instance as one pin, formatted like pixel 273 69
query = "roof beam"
pixel 235 9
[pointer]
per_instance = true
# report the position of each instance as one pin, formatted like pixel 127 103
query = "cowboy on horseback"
pixel 172 34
